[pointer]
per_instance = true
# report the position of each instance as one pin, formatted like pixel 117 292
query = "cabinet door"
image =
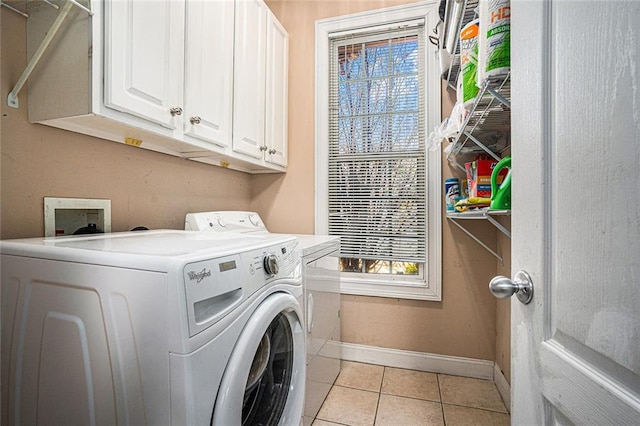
pixel 276 91
pixel 144 58
pixel 209 71
pixel 249 81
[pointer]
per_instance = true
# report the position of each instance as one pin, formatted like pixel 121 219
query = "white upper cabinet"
pixel 260 86
pixel 208 83
pixel 183 77
pixel 171 62
pixel 144 59
pixel 276 92
pixel 250 73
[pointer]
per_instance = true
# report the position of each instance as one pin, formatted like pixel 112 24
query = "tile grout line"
pixel 379 393
pixel 325 399
pixel 477 408
pixel 375 416
pixel 444 421
pixel 415 398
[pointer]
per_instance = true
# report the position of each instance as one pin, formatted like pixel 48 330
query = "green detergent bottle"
pixel 501 195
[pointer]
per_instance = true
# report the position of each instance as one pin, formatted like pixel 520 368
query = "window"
pixel 376 151
pixel 376 185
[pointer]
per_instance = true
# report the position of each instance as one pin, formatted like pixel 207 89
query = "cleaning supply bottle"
pixel 501 195
pixel 451 190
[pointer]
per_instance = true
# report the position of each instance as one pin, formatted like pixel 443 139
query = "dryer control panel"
pixel 225 221
pixel 215 287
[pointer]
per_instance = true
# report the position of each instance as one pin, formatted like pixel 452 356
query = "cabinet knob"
pixel 195 120
pixel 176 111
pixel 272 151
pixel 263 148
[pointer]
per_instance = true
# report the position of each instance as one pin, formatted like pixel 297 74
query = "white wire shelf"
pixel 468 14
pixel 487 126
pixel 481 214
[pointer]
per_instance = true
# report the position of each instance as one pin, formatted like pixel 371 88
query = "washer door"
pixel 263 383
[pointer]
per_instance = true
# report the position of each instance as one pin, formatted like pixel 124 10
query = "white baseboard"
pixel 421 361
pixel 503 386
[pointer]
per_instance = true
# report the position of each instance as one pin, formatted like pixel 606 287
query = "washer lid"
pixel 143 249
pixel 167 243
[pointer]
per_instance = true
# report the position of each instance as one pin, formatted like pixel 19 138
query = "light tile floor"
pixel 368 395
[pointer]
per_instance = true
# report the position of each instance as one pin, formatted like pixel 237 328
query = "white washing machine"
pixel 321 279
pixel 156 327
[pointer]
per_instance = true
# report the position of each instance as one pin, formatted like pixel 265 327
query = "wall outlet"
pixel 65 216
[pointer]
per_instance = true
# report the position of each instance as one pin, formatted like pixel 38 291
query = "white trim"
pixel 503 386
pixel 389 27
pixel 368 286
pixel 426 10
pixel 421 361
pixel 378 17
pixel 51 204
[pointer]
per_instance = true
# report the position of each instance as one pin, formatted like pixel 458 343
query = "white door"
pixel 276 95
pixel 249 78
pixel 208 83
pixel 576 211
pixel 144 59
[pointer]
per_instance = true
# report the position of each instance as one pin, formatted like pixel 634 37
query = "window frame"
pixel 429 286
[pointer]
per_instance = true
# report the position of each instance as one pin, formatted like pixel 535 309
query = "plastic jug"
pixel 501 195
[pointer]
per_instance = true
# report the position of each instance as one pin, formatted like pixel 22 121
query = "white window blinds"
pixel 377 188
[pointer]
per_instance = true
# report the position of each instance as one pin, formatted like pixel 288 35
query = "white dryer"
pixel 321 282
pixel 156 327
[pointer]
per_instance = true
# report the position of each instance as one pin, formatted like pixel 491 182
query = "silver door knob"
pixel 263 148
pixel 195 120
pixel 272 151
pixel 175 111
pixel 521 286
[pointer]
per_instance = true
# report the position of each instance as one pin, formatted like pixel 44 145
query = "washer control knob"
pixel 271 266
pixel 254 219
pixel 221 222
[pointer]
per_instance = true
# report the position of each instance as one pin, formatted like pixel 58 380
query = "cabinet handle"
pixel 272 151
pixel 263 148
pixel 195 120
pixel 176 111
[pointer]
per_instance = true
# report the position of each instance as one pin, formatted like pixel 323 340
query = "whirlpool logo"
pixel 199 276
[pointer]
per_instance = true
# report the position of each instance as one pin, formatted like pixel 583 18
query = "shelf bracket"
pixel 477 240
pixel 25 14
pixel 479 215
pixel 499 226
pixel 504 101
pixel 53 5
pixel 481 145
pixel 458 165
pixel 13 9
pixel 12 98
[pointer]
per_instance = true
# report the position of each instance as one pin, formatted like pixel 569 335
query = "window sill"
pixel 416 290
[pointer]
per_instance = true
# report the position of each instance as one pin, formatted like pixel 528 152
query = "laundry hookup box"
pixel 479 177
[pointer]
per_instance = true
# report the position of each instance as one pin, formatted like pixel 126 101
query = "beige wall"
pixel 145 188
pixel 287 202
pixel 464 323
pixel 503 307
pixel 156 190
